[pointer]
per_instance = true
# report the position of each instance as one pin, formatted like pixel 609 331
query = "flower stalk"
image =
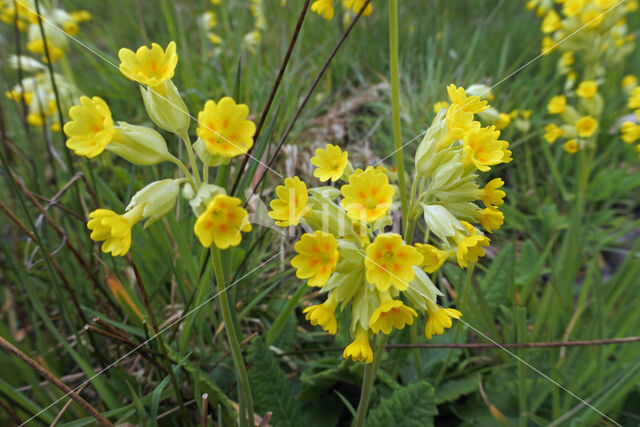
pixel 244 389
pixel 367 381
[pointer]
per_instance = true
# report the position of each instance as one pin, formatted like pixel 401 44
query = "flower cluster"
pixel 325 8
pixel 58 25
pixel 223 130
pixel 351 256
pixel 579 124
pixel 37 93
pixel 630 128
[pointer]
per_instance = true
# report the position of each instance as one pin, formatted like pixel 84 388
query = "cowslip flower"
pixel 504 120
pixel 439 105
pixel 151 67
pixel 323 8
pixel 573 7
pixel 113 229
pixel 224 127
pixel 634 100
pixel 571 146
pixel 432 257
pixel 356 6
pixel 471 104
pixel 587 89
pixel 391 314
pixel 390 262
pixel 291 204
pixel 490 194
pixel 629 82
pixel 490 218
pixel 470 246
pixel 317 257
pixel 368 196
pixel 557 104
pixel 483 148
pixel 586 126
pixel 552 132
pixel 222 222
pixel 90 129
pixel 323 315
pixel 331 163
pixel 439 319
pixel 630 132
pixel 551 22
pixel 360 349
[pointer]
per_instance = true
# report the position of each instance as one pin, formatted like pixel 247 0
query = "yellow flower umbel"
pixel 317 257
pixel 470 246
pixel 291 204
pixel 552 132
pixel 151 67
pixel 432 257
pixel 359 350
pixel 90 129
pixel 557 105
pixel 323 8
pixel 114 229
pixel 368 196
pixel 391 314
pixel 224 128
pixel 323 315
pixel 390 262
pixel 439 319
pixel 222 222
pixel 586 126
pixel 587 89
pixel 331 163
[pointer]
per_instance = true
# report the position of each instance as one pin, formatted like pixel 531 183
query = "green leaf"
pixel 271 391
pixel 413 405
pixel 496 282
pixel 453 389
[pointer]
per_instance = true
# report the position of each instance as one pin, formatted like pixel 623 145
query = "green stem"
pixel 367 381
pixel 463 302
pixel 184 169
pixel 192 161
pixel 245 398
pixel 521 321
pixel 416 351
pixel 395 101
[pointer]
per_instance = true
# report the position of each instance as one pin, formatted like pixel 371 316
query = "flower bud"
pixel 205 194
pixel 490 115
pixel 168 111
pixel 426 153
pixel 326 216
pixel 421 289
pixel 158 198
pixel 479 90
pixel 139 145
pixel 207 158
pixel 440 221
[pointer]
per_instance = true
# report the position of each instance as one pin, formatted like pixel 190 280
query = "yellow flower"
pixel 548 45
pixel 114 229
pixel 459 123
pixel 504 120
pixel 573 7
pixel 323 8
pixel 557 104
pixel 630 132
pixel 330 162
pixel 151 67
pixel 490 218
pixel 470 247
pixel 291 204
pixel 224 127
pixel 317 257
pixel 591 18
pixel 439 106
pixel 439 319
pixel 483 148
pixel 222 222
pixel 70 27
pixel 214 38
pixel 629 82
pixel 37 46
pixel 389 315
pixel 80 15
pixel 323 315
pixel 359 350
pixel 571 146
pixel 464 103
pixel 634 99
pixel 566 60
pixel 586 126
pixel 432 257
pixel 390 262
pixel 14 95
pixel 490 195
pixel 551 22
pixel 526 114
pixel 552 132
pixel 90 129
pixel 35 119
pixel 368 196
pixel 587 89
pixel 356 6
